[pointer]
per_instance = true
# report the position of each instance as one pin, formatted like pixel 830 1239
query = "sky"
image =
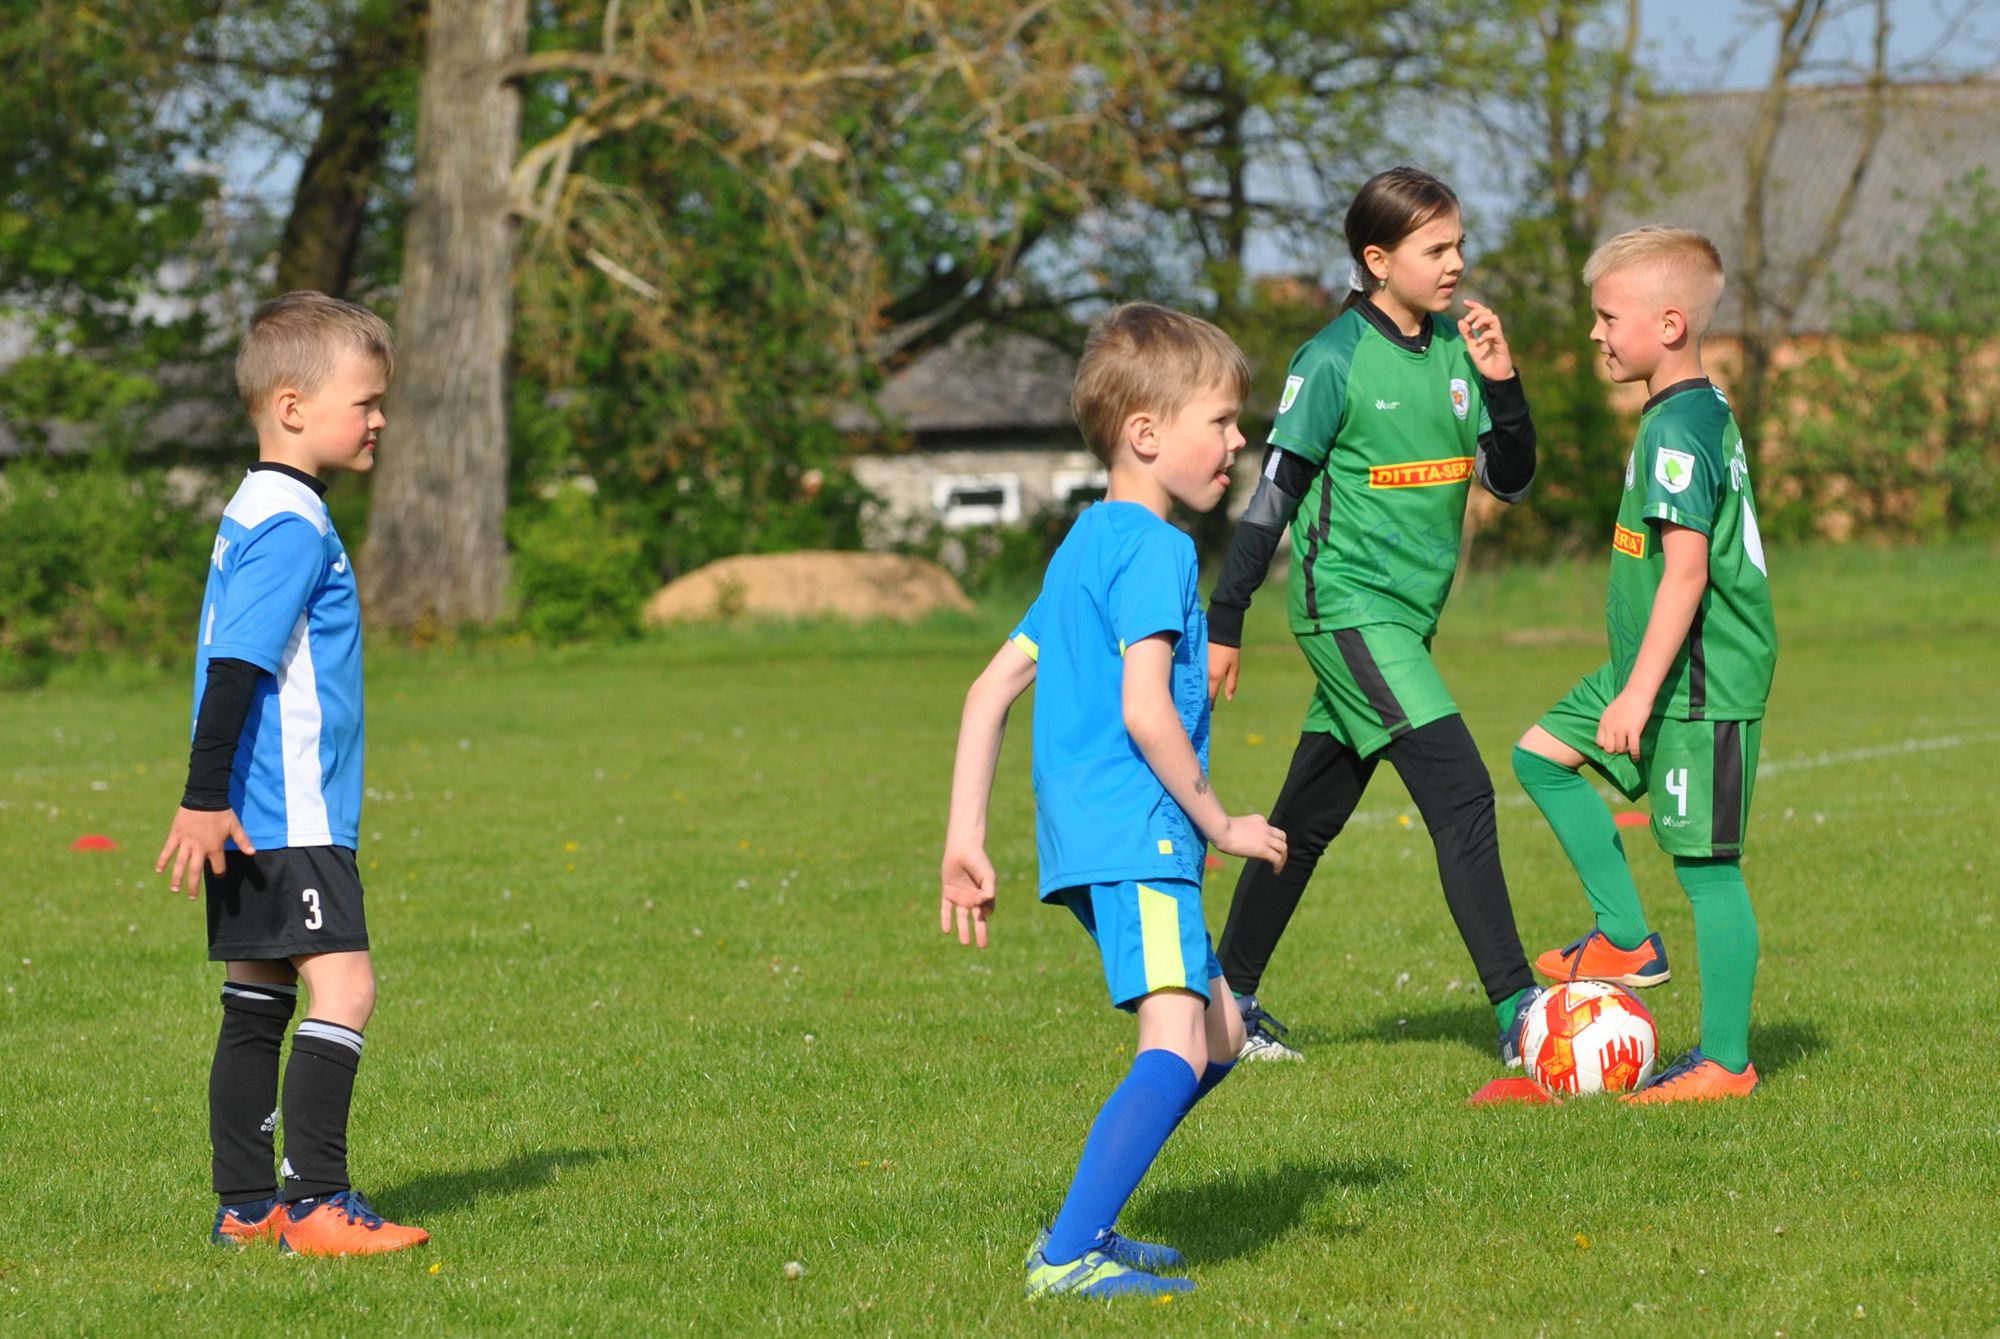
pixel 1692 45
pixel 1695 44
pixel 1685 45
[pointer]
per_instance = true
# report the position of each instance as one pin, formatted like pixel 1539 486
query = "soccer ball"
pixel 1588 1037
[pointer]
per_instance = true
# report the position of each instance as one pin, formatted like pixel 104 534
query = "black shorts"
pixel 285 902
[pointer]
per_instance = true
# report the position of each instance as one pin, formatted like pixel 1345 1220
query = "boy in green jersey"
pixel 1677 712
pixel 1388 417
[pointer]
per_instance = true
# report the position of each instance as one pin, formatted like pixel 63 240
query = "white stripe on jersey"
pixel 299 726
pixel 265 493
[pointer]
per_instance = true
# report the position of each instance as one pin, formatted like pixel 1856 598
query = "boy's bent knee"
pixel 1538 748
pixel 1175 1020
pixel 342 986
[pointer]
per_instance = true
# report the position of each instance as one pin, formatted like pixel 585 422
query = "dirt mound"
pixel 858 586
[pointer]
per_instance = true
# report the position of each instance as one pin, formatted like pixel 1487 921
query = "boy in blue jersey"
pixel 1118 643
pixel 271 815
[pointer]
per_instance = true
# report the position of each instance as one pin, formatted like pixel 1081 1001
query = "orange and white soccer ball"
pixel 1588 1037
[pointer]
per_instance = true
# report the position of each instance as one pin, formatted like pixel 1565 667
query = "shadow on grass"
pixel 464 1186
pixel 1471 1024
pixel 1775 1047
pixel 1241 1213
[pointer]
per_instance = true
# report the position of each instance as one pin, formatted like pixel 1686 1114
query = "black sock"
pixel 319 1088
pixel 243 1089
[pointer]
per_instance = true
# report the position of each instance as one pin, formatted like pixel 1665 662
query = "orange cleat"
pixel 1595 958
pixel 1695 1078
pixel 343 1224
pixel 234 1228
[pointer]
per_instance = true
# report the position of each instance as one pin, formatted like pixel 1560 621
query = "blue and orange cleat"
pixel 1695 1078
pixel 1127 1252
pixel 1595 958
pixel 241 1224
pixel 343 1224
pixel 1095 1274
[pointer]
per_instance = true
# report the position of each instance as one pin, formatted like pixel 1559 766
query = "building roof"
pixel 1932 134
pixel 979 380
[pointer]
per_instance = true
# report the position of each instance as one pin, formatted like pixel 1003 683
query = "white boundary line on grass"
pixel 1816 760
pixel 1772 767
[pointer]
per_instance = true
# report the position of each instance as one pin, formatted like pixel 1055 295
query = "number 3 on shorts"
pixel 311 898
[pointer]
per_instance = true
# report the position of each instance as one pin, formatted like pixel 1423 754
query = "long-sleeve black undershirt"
pixel 1505 467
pixel 218 726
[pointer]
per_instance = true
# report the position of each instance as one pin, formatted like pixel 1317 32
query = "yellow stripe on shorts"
pixel 1160 940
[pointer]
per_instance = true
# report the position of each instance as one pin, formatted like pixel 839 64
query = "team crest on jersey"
pixel 1674 470
pixel 1631 461
pixel 1292 385
pixel 1461 396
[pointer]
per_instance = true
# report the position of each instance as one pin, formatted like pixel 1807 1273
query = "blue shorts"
pixel 1150 935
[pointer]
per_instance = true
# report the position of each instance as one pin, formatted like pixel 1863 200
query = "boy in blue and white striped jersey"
pixel 272 810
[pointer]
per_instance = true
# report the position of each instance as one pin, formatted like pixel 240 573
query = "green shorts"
pixel 1376 684
pixel 1699 773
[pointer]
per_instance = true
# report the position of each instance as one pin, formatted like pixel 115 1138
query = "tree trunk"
pixel 323 230
pixel 1798 24
pixel 436 551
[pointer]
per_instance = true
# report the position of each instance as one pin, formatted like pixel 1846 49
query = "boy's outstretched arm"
pixel 1155 726
pixel 1674 605
pixel 967 875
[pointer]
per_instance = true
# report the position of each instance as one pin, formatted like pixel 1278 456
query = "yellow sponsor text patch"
pixel 1629 542
pixel 1421 473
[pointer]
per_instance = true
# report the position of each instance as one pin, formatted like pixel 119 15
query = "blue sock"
pixel 1128 1134
pixel 1210 1078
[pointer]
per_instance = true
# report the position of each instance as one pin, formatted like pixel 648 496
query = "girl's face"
pixel 1421 272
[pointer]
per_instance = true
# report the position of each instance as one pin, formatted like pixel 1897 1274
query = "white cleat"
pixel 1261 1034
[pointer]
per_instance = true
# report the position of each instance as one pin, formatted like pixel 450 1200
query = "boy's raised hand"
pixel 1251 837
pixel 1222 665
pixel 1486 342
pixel 201 836
pixel 967 877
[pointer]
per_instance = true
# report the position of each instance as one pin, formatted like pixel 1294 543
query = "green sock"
pixel 1510 1008
pixel 1725 936
pixel 1590 839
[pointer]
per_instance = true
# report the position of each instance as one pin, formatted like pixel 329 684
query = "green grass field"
pixel 664 1006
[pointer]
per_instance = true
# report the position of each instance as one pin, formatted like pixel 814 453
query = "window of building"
pixel 1076 489
pixel 965 500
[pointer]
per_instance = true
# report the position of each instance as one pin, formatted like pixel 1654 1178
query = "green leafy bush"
pixel 1892 429
pixel 996 558
pixel 96 564
pixel 578 576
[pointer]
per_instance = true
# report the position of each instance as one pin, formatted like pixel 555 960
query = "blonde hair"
pixel 295 340
pixel 1145 358
pixel 1684 265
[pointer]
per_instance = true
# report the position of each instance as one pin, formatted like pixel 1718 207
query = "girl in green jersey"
pixel 1387 416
